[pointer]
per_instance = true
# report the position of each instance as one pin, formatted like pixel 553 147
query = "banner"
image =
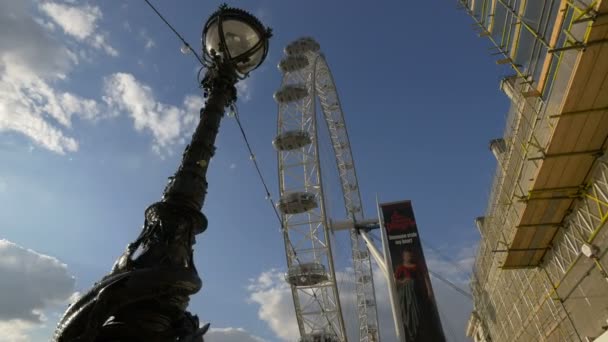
pixel 415 301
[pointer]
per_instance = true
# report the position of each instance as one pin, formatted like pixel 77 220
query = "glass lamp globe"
pixel 235 36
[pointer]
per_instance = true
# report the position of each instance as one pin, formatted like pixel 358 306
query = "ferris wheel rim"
pixel 320 68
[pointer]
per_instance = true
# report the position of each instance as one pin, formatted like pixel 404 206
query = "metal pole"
pixel 376 254
pixel 392 291
pixel 145 296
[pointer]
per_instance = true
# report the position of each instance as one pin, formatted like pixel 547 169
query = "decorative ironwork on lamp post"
pixel 145 296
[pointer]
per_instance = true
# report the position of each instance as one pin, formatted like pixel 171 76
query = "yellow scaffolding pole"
pixel 525 147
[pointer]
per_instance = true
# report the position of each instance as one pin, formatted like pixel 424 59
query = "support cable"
pixel 255 164
pixel 445 257
pixel 442 278
pixel 451 284
pixel 175 31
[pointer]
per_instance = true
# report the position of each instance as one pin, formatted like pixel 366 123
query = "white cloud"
pixel 29 103
pixel 244 90
pixel 127 26
pixel 31 282
pixel 457 268
pixel 273 295
pixel 230 335
pixel 232 166
pixel 79 22
pixel 99 41
pixel 15 331
pixel 168 124
pixel 148 42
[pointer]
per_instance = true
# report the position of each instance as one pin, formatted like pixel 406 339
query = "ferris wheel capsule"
pixel 293 63
pixel 291 140
pixel 297 203
pixel 302 46
pixel 361 255
pixel 364 278
pixel 345 166
pixel 290 93
pixel 306 274
pixel 367 302
pixel 372 331
pixel 354 209
pixel 320 336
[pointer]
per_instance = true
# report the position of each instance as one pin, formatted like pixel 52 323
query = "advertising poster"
pixel 414 296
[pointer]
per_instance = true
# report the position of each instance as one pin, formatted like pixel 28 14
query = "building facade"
pixel 539 272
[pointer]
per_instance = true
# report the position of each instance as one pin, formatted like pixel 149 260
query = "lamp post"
pixel 145 296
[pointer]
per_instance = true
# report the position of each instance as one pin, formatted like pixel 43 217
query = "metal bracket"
pixel 534 225
pixel 520 250
pixel 597 153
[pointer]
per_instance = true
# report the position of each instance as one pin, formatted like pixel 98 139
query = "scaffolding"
pixel 549 194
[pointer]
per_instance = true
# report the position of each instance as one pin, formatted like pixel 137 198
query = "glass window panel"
pixel 488 15
pixel 548 18
pixel 516 4
pixel 532 13
pixel 524 48
pixel 500 18
pixel 478 7
pixel 510 31
pixel 486 11
pixel 551 75
pixel 533 62
pixel 539 60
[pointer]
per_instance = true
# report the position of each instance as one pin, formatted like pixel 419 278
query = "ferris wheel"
pixel 306 83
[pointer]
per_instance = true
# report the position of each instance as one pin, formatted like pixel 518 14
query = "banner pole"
pixel 392 291
pixel 379 257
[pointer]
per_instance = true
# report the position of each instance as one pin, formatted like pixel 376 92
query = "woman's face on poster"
pixel 407 257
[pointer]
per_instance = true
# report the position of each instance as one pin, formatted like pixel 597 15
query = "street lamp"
pixel 145 296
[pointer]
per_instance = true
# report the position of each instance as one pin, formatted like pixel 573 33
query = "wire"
pixel 256 165
pixel 452 285
pixel 445 257
pixel 175 31
pixel 440 277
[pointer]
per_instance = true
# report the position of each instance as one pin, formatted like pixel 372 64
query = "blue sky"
pixel 96 101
